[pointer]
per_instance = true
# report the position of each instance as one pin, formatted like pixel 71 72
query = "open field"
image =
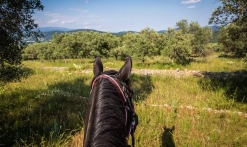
pixel 47 107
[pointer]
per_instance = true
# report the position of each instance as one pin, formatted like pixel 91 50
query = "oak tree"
pixel 16 23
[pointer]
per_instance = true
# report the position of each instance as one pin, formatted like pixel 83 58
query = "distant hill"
pixel 215 28
pixel 49 31
pixel 48 35
pixel 124 32
pixel 162 31
pixel 89 30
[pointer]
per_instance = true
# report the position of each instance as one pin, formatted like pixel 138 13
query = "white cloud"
pixel 65 22
pixel 95 27
pixel 78 10
pixel 190 1
pixel 191 7
pixel 86 1
pixel 70 20
pixel 50 14
pixel 52 21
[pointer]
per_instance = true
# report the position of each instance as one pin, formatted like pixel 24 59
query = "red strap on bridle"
pixel 113 82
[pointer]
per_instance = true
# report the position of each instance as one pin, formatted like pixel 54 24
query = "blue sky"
pixel 123 15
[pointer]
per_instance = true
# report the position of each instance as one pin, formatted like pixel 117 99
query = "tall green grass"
pixel 201 117
pixel 47 108
pixel 191 127
pixel 212 63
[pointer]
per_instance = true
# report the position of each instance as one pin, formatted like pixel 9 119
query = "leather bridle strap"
pixel 113 81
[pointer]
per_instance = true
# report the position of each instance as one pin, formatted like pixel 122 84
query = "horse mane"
pixel 106 118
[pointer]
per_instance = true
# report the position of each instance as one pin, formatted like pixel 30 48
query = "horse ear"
pixel 125 70
pixel 97 67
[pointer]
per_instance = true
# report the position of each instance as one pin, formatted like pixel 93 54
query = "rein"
pixel 128 106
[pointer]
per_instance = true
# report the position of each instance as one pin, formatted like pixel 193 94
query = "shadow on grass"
pixel 14 73
pixel 142 86
pixel 234 84
pixel 167 137
pixel 33 117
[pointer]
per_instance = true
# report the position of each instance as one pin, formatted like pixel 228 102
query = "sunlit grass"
pixel 217 64
pixel 47 108
pixel 192 127
pixel 189 92
pixel 212 63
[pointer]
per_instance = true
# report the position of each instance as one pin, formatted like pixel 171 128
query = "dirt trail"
pixel 168 72
pixel 176 72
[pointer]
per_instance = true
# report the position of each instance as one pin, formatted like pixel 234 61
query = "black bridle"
pixel 131 118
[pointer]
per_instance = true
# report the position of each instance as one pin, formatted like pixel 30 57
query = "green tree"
pixel 202 36
pixel 119 51
pixel 231 11
pixel 84 39
pixel 102 44
pixel 140 45
pixel 31 52
pixel 170 33
pixel 16 22
pixel 128 45
pixel 231 44
pixel 183 25
pixel 146 45
pixel 178 47
pixel 233 15
pixel 194 27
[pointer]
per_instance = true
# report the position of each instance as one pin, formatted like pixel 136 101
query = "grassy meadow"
pixel 47 106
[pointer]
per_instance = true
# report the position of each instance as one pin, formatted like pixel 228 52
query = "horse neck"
pixel 105 118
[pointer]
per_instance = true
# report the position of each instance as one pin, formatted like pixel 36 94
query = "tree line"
pixel 180 44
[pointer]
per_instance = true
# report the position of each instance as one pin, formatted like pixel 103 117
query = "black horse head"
pixel 110 116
